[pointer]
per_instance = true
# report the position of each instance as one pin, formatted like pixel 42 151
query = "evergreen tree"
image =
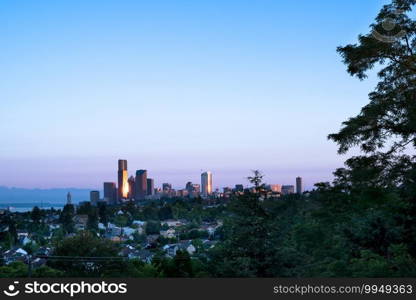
pixel 67 218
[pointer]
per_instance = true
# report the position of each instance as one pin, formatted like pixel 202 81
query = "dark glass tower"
pixel 141 184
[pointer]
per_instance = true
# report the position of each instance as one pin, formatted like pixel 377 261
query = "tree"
pixel 47 272
pixel 85 244
pixel 151 212
pixel 256 178
pixel 165 212
pixel 92 223
pixel 385 129
pixel 387 125
pixel 182 265
pixel 67 218
pixel 250 242
pixel 36 215
pixel 12 234
pixel 103 213
pixel 152 227
pixel 14 270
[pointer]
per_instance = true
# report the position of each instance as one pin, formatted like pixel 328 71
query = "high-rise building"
pixel 166 187
pixel 299 187
pixel 189 187
pixel 193 189
pixel 132 188
pixel 141 184
pixel 227 190
pixel 150 187
pixel 197 188
pixel 122 176
pixel 110 193
pixel 94 197
pixel 288 189
pixel 239 188
pixel 276 188
pixel 206 184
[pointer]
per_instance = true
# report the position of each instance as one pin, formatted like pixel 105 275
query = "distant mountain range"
pixel 54 196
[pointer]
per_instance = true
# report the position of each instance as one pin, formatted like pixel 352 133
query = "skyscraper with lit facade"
pixel 122 176
pixel 206 184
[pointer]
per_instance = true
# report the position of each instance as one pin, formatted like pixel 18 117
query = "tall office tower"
pixel 110 193
pixel 94 197
pixel 166 187
pixel 206 183
pixel 123 185
pixel 189 187
pixel 141 184
pixel 299 187
pixel 197 188
pixel 288 189
pixel 150 187
pixel 277 188
pixel 192 189
pixel 227 190
pixel 239 188
pixel 132 187
pixel 69 198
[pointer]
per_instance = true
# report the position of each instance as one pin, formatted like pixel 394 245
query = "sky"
pixel 175 87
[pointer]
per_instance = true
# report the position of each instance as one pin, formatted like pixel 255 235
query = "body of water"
pixel 21 200
pixel 23 207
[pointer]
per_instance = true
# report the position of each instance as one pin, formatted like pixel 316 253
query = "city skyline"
pixel 140 188
pixel 124 176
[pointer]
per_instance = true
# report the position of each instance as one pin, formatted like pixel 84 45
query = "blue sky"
pixel 175 87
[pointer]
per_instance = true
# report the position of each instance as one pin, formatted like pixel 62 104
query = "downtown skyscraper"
pixel 122 176
pixel 110 193
pixel 141 185
pixel 299 186
pixel 206 184
pixel 150 187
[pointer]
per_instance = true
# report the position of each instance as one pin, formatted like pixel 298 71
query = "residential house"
pixel 81 222
pixel 170 233
pixel 187 246
pixel 172 223
pixel 14 254
pixel 170 249
pixel 145 256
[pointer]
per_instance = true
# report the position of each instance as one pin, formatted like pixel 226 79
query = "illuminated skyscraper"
pixel 123 185
pixel 110 193
pixel 299 187
pixel 206 183
pixel 277 188
pixel 141 184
